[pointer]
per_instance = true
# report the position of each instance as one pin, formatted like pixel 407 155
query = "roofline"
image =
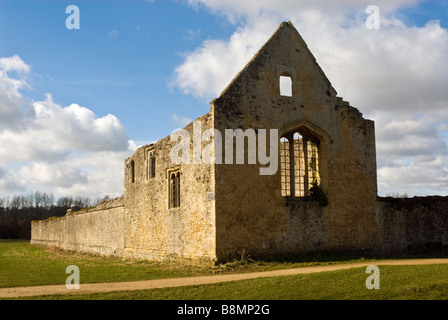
pixel 290 24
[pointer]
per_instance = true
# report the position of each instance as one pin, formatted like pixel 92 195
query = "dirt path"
pixel 178 282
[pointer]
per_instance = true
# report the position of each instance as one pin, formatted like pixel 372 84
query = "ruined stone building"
pixel 322 198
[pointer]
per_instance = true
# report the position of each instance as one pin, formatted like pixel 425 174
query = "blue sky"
pixel 153 66
pixel 420 14
pixel 120 61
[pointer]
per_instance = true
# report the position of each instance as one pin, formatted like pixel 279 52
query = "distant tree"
pixel 47 200
pixel 65 202
pixel 28 200
pixel 37 199
pixel 15 203
pixel 6 202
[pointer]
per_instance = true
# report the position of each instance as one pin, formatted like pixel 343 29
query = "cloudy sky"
pixel 74 103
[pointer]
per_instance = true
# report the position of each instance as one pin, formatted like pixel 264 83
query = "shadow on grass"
pixel 335 257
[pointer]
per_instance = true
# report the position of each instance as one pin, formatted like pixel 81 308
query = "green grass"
pixel 24 265
pixel 428 282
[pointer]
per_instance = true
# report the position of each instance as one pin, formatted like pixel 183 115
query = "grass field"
pixel 23 265
pixel 397 283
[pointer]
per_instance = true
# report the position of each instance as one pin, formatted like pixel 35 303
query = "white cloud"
pixel 11 100
pixel 251 10
pixel 395 67
pixel 421 176
pixel 53 132
pixel 410 138
pixel 92 174
pixel 78 128
pixel 14 63
pixel 52 174
pixel 10 181
pixel 65 150
pixel 395 75
pixel 211 67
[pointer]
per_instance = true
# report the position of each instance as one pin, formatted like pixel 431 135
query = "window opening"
pixel 286 86
pixel 299 163
pixel 150 165
pixel 132 172
pixel 285 167
pixel 174 189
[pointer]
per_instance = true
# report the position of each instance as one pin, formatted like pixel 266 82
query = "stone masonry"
pixel 208 212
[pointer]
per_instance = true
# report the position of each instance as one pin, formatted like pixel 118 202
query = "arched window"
pixel 285 167
pixel 286 86
pixel 150 165
pixel 152 172
pixel 132 172
pixel 174 190
pixel 299 163
pixel 178 190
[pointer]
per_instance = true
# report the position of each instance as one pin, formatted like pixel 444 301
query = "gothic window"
pixel 174 189
pixel 178 189
pixel 132 171
pixel 285 167
pixel 299 163
pixel 153 167
pixel 150 165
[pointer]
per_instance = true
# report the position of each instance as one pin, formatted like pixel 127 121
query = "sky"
pixel 75 103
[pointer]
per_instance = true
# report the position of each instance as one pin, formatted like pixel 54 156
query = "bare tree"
pixel 47 200
pixel 37 199
pixel 15 202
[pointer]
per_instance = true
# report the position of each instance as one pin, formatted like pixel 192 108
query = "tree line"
pixel 45 200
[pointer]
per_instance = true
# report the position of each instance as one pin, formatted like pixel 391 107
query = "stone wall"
pixel 141 225
pixel 417 225
pixel 98 230
pixel 251 213
pixel 156 231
